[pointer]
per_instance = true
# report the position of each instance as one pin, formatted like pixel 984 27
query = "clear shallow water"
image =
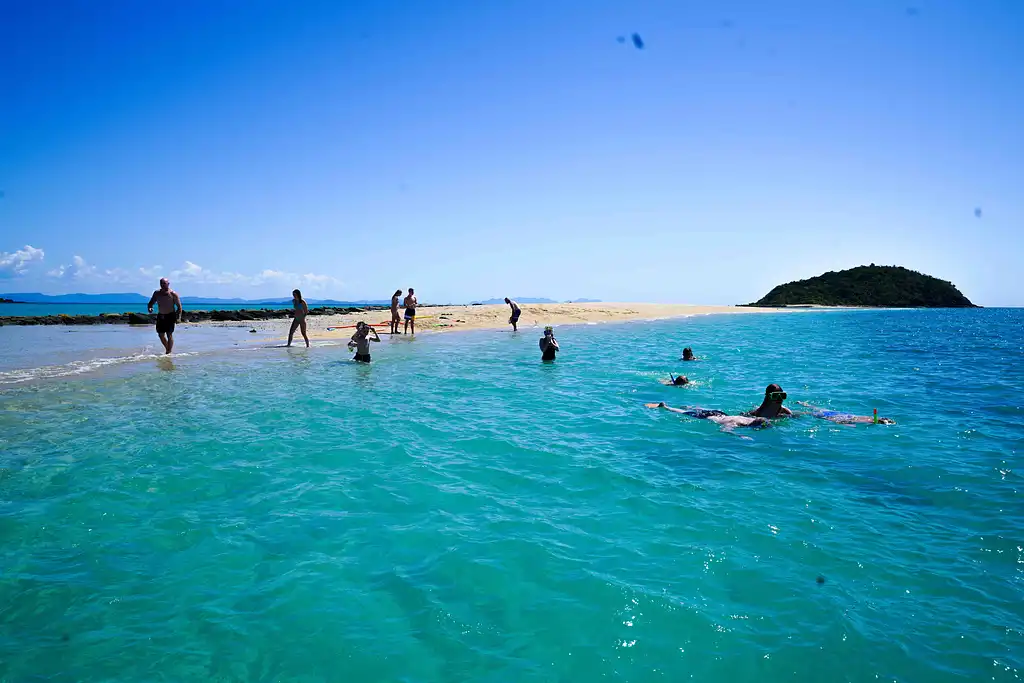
pixel 459 511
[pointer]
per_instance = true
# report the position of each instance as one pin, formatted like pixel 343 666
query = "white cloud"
pixel 189 272
pixel 15 263
pixel 81 270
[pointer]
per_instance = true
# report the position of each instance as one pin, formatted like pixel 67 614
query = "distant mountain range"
pixel 134 298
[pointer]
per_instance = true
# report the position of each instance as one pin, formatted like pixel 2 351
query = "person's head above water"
pixel 687 353
pixel 165 284
pixel 548 332
pixel 772 406
pixel 680 380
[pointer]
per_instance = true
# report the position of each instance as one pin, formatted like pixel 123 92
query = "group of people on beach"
pixel 169 310
pixel 771 408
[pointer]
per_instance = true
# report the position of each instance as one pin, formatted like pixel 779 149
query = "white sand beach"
pixel 432 319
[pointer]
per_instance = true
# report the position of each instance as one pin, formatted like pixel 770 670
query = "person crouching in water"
pixel 361 342
pixel 548 346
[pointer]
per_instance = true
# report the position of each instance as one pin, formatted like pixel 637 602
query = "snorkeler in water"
pixel 726 422
pixel 771 407
pixel 842 418
pixel 675 380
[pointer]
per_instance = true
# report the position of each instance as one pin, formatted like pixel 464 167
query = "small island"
pixel 875 286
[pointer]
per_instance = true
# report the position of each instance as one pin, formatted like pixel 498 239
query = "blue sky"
pixel 478 148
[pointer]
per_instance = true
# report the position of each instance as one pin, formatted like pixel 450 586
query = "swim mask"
pixel 776 396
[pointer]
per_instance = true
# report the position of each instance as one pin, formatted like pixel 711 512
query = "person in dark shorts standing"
pixel 168 312
pixel 410 311
pixel 516 312
pixel 548 346
pixel 361 342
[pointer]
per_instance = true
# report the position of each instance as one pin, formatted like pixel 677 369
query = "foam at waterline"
pixel 78 367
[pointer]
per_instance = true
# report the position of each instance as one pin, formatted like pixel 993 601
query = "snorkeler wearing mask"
pixel 772 407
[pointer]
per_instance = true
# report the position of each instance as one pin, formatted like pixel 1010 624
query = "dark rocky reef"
pixel 242 315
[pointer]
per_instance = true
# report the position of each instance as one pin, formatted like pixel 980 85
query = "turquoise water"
pixel 460 511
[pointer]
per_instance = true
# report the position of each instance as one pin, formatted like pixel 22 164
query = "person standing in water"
pixel 516 312
pixel 396 318
pixel 410 311
pixel 301 310
pixel 168 312
pixel 548 345
pixel 361 342
pixel 771 407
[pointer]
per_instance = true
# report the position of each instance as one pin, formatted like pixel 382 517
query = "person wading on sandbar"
pixel 168 312
pixel 299 312
pixel 516 312
pixel 410 311
pixel 396 318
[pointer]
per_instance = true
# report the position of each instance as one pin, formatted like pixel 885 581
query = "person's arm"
pixel 152 300
pixel 554 343
pixel 376 337
pixel 785 411
pixel 176 301
pixel 305 308
pixel 666 407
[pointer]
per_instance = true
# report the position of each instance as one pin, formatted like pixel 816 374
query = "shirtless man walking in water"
pixel 168 312
pixel 410 311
